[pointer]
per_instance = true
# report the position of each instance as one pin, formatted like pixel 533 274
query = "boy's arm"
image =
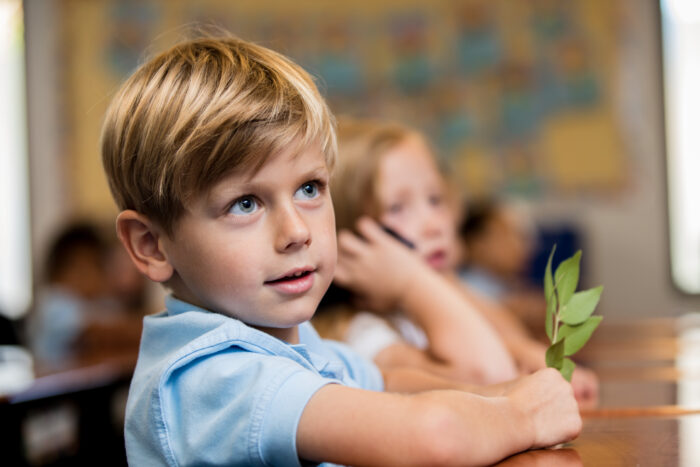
pixel 352 426
pixel 388 275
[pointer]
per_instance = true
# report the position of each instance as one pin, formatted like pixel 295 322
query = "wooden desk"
pixel 644 417
pixel 649 412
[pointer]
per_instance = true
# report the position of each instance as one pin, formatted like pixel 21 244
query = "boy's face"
pixel 259 247
pixel 413 200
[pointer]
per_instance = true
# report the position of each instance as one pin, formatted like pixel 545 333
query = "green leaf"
pixel 567 368
pixel 549 296
pixel 580 306
pixel 577 336
pixel 555 355
pixel 566 278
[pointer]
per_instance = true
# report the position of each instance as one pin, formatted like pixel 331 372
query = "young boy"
pixel 218 153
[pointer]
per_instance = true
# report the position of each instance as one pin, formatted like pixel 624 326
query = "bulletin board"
pixel 516 96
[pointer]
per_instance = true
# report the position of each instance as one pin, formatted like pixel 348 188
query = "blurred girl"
pixel 498 240
pixel 413 316
pixel 386 175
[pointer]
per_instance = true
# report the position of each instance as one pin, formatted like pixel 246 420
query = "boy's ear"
pixel 141 238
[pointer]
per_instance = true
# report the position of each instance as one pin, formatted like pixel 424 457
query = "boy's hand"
pixel 376 266
pixel 547 401
pixel 530 358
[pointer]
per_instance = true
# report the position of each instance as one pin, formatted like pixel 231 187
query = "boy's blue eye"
pixel 244 205
pixel 308 190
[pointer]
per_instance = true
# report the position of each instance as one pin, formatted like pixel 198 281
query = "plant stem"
pixel 555 292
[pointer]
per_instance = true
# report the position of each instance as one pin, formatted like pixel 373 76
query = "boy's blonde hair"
pixel 361 144
pixel 199 111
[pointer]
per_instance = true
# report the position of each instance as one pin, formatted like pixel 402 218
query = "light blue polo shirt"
pixel 209 390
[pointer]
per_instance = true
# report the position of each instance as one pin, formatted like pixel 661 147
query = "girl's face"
pixel 413 201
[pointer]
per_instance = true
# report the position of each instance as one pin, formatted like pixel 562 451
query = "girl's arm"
pixel 528 352
pixel 447 427
pixel 387 275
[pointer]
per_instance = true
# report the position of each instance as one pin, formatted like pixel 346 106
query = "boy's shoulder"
pixel 198 369
pixel 187 335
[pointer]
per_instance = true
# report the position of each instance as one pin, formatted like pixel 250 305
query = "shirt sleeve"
pixel 236 408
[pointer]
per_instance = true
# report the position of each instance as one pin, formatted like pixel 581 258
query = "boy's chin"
pixel 296 317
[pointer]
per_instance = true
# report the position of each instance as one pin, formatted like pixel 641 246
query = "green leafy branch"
pixel 568 321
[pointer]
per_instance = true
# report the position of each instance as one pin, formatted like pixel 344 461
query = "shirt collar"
pixel 307 336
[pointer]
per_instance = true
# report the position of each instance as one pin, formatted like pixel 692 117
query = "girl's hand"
pixel 529 355
pixel 376 266
pixel 585 384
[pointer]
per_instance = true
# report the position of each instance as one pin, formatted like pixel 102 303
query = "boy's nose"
pixel 292 230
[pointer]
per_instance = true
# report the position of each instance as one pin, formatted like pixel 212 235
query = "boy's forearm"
pixel 438 427
pixel 487 428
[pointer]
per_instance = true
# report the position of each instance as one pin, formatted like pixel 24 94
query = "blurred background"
pixel 558 103
pixel 581 110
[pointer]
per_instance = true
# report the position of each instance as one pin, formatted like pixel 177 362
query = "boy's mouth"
pixel 294 282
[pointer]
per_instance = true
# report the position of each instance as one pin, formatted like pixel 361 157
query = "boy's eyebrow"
pixel 303 176
pixel 247 184
pixel 317 171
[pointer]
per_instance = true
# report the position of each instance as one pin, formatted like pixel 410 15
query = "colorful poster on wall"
pixel 517 97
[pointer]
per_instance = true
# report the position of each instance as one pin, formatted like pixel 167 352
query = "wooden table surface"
pixel 649 409
pixel 648 413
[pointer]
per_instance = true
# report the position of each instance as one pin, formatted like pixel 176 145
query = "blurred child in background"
pixel 411 314
pixel 387 175
pixel 498 244
pixel 77 307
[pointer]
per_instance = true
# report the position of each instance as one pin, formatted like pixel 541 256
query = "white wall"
pixel 48 191
pixel 626 235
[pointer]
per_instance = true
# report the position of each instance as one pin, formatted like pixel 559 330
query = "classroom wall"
pixel 619 210
pixel 627 233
